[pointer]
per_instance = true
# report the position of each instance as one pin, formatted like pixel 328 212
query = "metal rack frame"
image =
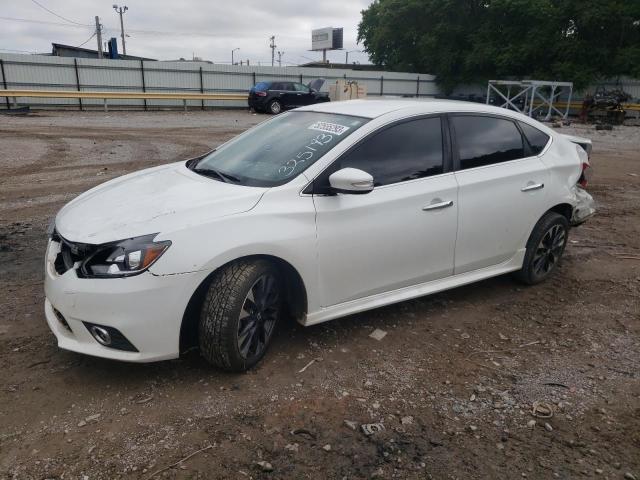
pixel 538 94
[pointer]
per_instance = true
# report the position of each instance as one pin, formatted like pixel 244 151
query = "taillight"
pixel 260 94
pixel 585 174
pixel 583 181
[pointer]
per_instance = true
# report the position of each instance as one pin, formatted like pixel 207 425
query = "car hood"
pixel 316 84
pixel 155 200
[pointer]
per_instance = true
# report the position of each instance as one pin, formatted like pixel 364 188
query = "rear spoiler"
pixel 585 143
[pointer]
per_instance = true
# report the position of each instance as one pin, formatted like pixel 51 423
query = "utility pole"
pixel 121 11
pixel 273 49
pixel 346 57
pixel 280 54
pixel 99 35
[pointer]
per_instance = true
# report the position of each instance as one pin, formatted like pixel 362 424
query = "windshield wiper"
pixel 211 173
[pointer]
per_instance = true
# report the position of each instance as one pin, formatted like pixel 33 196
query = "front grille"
pixel 70 253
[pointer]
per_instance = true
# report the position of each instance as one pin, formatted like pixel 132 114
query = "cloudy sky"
pixel 169 30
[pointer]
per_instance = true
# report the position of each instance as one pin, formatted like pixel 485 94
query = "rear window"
pixel 486 140
pixel 261 87
pixel 537 139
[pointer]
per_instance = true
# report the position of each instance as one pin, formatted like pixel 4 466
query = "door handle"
pixel 535 186
pixel 438 206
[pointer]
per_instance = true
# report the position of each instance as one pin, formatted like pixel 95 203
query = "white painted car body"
pixel 352 252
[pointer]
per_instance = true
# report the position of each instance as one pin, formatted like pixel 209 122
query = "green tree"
pixel 462 41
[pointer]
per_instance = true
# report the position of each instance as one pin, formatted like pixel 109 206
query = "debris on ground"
pixel 371 428
pixel 265 466
pixel 542 410
pixel 378 334
pixel 351 424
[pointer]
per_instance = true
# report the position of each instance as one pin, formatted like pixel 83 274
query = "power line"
pixel 59 16
pixel 44 22
pixel 83 43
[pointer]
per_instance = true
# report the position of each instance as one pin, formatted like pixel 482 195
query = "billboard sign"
pixel 338 38
pixel 322 39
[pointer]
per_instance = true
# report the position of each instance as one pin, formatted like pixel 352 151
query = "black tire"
pixel 226 309
pixel 274 107
pixel 544 248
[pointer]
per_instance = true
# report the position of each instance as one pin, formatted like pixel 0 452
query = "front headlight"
pixel 124 258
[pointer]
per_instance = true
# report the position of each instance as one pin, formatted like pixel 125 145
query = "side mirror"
pixel 351 180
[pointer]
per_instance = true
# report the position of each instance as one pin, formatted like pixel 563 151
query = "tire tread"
pixel 220 308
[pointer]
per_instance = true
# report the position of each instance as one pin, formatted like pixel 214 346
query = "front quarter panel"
pixel 281 225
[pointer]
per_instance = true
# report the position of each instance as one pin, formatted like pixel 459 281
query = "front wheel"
pixel 544 248
pixel 239 314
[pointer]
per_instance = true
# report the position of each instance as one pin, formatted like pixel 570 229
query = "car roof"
pixel 372 108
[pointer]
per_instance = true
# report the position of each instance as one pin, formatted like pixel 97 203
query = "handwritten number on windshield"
pixel 306 154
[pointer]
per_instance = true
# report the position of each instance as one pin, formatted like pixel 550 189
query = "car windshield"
pixel 261 87
pixel 278 150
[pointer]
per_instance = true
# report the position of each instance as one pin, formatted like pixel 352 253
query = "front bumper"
pixel 584 208
pixel 147 309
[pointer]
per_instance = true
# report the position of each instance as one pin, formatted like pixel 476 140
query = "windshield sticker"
pixel 329 127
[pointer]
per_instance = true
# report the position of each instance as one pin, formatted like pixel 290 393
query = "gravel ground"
pixel 454 380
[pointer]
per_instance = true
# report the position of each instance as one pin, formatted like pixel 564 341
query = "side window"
pixel 486 140
pixel 288 86
pixel 402 152
pixel 278 86
pixel 537 139
pixel 301 88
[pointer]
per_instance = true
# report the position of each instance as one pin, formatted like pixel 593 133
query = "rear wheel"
pixel 274 107
pixel 544 248
pixel 239 314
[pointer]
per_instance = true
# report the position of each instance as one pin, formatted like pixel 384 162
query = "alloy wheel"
pixel 549 250
pixel 258 316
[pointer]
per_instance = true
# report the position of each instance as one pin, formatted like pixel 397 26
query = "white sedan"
pixel 318 213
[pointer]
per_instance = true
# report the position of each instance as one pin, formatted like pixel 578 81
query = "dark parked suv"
pixel 273 97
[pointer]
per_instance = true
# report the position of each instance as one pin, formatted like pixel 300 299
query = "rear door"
pixel 501 189
pixel 400 234
pixel 278 91
pixel 288 94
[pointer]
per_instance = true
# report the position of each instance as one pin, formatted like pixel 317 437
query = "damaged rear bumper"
pixel 584 208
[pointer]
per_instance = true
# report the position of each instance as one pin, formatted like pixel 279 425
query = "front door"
pixel 400 234
pixel 303 94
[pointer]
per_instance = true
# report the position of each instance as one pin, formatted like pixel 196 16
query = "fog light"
pixel 101 335
pixel 110 337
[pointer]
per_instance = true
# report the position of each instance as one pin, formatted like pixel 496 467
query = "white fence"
pixel 41 72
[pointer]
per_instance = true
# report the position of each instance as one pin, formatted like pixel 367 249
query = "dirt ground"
pixel 453 381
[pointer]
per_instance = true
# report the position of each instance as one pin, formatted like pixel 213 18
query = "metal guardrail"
pixel 184 96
